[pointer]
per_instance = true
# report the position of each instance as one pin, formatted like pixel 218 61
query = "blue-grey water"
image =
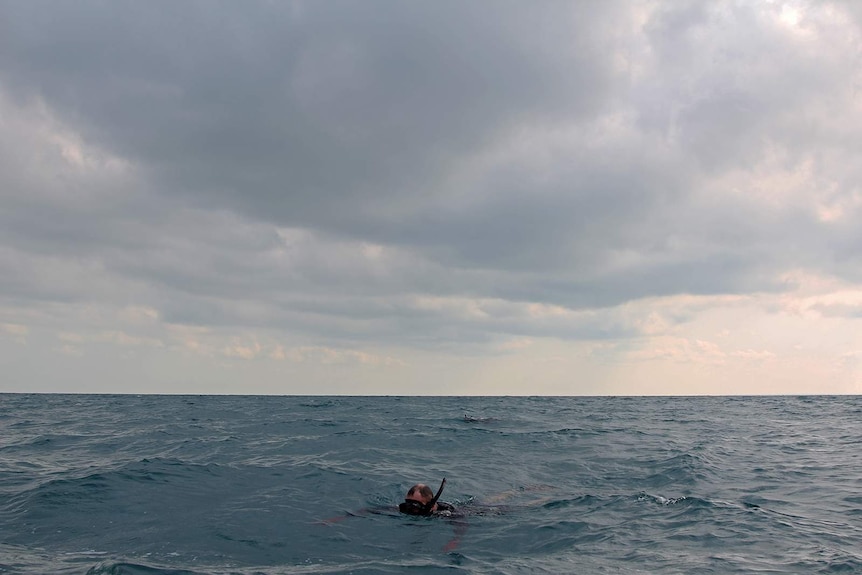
pixel 219 484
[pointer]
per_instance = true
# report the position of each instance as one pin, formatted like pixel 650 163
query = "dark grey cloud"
pixel 305 111
pixel 568 154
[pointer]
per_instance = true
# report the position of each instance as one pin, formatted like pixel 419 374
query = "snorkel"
pixel 413 507
pixel 433 502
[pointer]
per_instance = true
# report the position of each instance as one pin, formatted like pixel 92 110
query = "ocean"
pixel 126 484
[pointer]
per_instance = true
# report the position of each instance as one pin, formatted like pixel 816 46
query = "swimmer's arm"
pixel 512 492
pixel 334 520
pixel 500 497
pixel 357 513
pixel 459 527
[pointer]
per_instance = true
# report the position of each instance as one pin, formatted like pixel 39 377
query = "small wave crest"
pixel 664 500
pixel 125 568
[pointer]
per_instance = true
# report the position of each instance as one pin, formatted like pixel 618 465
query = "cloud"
pixel 290 111
pixel 386 179
pixel 17 332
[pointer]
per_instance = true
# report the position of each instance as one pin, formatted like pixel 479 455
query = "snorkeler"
pixel 420 500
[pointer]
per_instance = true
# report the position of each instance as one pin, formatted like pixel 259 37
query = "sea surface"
pixel 227 484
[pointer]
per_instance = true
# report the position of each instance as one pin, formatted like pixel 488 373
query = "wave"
pixel 81 489
pixel 160 485
pixel 682 469
pixel 126 568
pixel 447 564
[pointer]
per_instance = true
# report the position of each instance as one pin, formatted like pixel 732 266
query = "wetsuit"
pixel 444 509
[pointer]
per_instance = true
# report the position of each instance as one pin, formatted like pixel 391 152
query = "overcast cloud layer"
pixel 431 197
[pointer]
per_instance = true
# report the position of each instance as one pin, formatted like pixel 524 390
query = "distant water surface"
pixel 215 484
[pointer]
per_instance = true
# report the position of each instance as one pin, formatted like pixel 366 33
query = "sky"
pixel 431 198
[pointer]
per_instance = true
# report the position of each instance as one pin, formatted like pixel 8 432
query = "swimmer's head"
pixel 420 500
